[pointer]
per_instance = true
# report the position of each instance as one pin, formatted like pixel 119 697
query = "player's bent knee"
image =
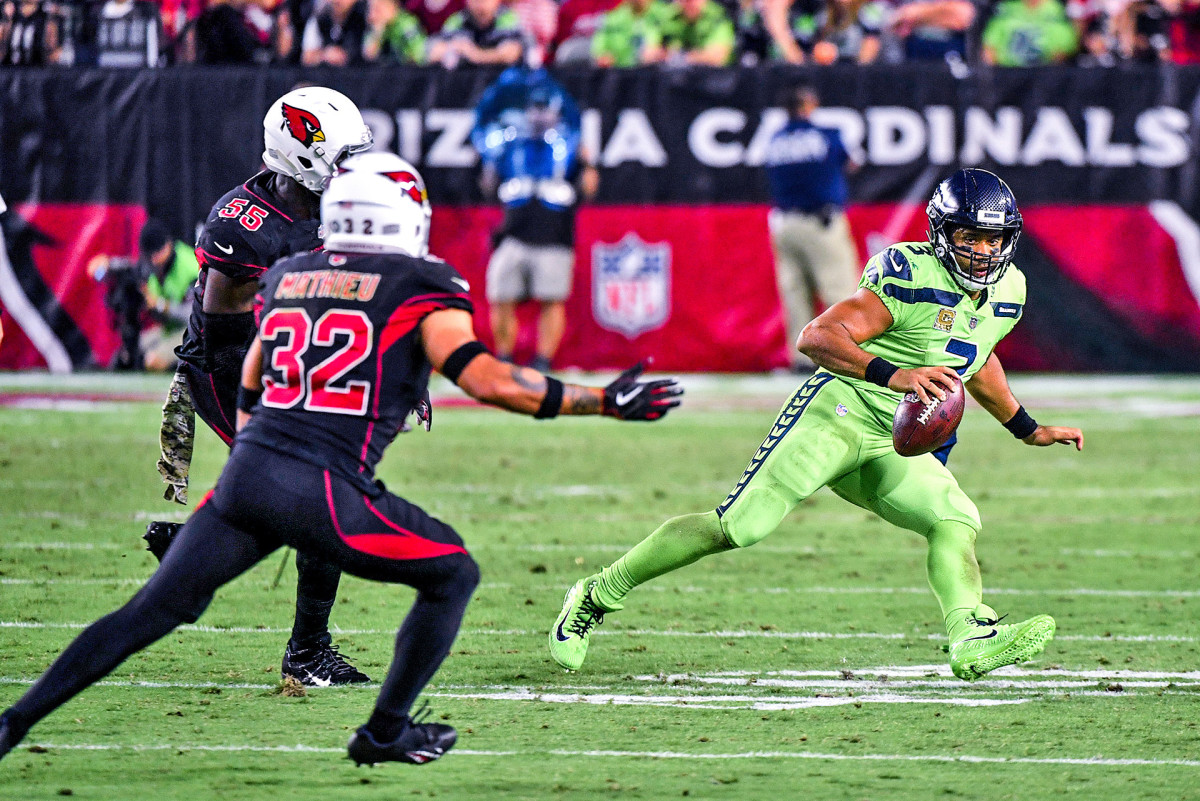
pixel 466 578
pixel 459 582
pixel 959 531
pixel 757 512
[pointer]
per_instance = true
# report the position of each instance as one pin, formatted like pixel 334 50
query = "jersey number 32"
pixel 288 381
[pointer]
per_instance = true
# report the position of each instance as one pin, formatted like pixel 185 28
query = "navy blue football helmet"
pixel 973 198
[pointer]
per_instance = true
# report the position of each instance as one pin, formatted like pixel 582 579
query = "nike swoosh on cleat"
pixel 558 633
pixel 226 249
pixel 984 637
pixel 318 682
pixel 624 397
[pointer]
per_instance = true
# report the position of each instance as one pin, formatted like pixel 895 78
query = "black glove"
pixel 424 412
pixel 626 398
pixel 159 536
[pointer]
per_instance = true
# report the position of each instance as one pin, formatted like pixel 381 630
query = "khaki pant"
pixel 811 259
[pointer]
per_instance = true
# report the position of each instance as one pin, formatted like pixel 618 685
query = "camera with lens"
pixel 124 295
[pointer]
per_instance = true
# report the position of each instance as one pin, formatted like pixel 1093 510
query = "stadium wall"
pixel 673 259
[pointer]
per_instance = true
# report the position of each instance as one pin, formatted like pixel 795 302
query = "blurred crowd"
pixel 605 33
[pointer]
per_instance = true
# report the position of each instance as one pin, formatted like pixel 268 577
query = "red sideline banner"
pixel 58 318
pixel 693 286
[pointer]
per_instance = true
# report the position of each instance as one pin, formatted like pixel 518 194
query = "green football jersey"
pixel 933 320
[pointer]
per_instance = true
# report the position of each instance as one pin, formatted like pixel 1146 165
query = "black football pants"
pixel 264 500
pixel 215 398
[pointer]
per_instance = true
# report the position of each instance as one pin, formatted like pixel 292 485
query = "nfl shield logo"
pixel 631 285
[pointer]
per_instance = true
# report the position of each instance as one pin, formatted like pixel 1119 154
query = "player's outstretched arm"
pixel 832 341
pixel 450 343
pixel 989 386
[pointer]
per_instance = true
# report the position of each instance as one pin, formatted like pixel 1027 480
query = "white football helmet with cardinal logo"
pixel 308 131
pixel 376 203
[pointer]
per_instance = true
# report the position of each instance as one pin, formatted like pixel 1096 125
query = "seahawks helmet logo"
pixel 303 125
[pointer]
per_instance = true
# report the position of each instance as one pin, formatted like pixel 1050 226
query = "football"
pixel 920 428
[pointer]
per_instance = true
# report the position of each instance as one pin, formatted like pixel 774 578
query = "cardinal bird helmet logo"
pixel 303 125
pixel 410 183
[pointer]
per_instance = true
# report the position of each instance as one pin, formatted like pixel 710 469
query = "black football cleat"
pixel 159 536
pixel 320 665
pixel 11 733
pixel 420 743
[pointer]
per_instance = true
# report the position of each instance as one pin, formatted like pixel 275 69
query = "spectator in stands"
pixel 790 23
pixel 933 30
pixel 434 13
pixel 815 255
pixel 578 22
pixel 30 35
pixel 128 34
pixel 1093 26
pixel 1183 28
pixel 334 34
pixel 826 31
pixel 482 33
pixel 631 34
pixel 850 31
pixel 753 42
pixel 224 35
pixel 1143 32
pixel 698 32
pixel 178 21
pixel 527 132
pixel 1029 33
pixel 395 35
pixel 290 19
pixel 538 19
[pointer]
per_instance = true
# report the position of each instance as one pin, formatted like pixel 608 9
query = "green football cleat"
pixel 580 614
pixel 990 646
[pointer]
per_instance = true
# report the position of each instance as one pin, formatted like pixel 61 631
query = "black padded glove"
pixel 159 536
pixel 626 398
pixel 424 412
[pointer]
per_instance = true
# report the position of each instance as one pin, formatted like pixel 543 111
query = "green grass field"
pixel 809 666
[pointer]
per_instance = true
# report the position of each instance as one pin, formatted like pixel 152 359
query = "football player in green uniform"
pixel 923 313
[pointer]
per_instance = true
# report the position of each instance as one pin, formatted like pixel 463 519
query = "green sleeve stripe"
pixel 908 294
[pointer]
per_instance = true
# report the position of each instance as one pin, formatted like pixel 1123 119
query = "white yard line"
pixel 903 683
pixel 538 586
pixel 64 546
pixel 760 703
pixel 902 671
pixel 718 634
pixel 1105 553
pixel 1093 761
pixel 690 692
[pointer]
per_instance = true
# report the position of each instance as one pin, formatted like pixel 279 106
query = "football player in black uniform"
pixel 345 346
pixel 272 215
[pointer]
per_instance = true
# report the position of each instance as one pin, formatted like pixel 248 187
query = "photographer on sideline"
pixel 158 286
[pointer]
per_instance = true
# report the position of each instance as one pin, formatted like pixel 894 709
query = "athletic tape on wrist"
pixel 552 402
pixel 1021 425
pixel 880 371
pixel 457 361
pixel 246 398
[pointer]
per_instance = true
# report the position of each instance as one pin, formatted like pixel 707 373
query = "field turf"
pixel 809 666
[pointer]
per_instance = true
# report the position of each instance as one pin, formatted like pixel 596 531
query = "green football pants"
pixel 825 435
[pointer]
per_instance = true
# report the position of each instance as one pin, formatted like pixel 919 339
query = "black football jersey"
pixel 343 365
pixel 246 232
